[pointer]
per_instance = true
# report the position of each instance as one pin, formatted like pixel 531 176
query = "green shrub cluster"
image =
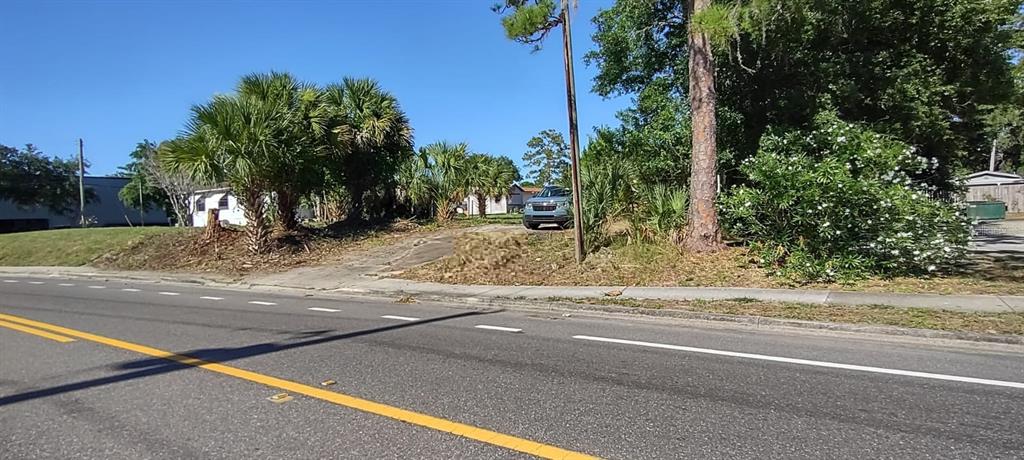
pixel 842 202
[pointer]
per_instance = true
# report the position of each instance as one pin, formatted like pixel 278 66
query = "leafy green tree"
pixel 152 197
pixel 918 70
pixel 548 157
pixel 370 139
pixel 29 178
pixel 1005 128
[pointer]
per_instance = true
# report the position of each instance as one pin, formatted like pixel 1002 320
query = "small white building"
pixel 216 198
pixel 513 201
pixel 230 210
pixel 494 205
pixel 999 186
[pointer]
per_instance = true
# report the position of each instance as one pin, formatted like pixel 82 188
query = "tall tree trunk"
pixel 481 204
pixel 702 231
pixel 356 207
pixel 257 231
pixel 286 203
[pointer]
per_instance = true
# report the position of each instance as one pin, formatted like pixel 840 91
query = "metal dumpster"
pixel 986 210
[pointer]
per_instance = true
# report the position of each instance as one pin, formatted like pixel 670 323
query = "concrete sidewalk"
pixel 314 280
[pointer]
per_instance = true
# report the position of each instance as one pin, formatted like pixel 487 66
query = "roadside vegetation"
pixel 546 258
pixel 74 246
pixel 918 318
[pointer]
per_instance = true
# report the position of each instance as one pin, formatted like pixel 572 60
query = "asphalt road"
pixel 407 375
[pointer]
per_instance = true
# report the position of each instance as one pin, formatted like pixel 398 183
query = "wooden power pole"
pixel 81 182
pixel 142 206
pixel 574 135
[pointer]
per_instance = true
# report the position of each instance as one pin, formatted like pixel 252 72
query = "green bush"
pixel 658 211
pixel 604 188
pixel 840 203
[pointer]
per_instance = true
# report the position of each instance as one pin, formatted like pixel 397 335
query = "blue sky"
pixel 115 72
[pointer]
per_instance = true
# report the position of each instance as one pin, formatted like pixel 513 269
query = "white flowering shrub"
pixel 839 203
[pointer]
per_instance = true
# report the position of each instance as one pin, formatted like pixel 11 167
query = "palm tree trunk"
pixel 481 204
pixel 355 210
pixel 286 203
pixel 702 230
pixel 257 231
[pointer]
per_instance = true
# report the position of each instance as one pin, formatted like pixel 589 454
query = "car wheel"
pixel 532 226
pixel 566 225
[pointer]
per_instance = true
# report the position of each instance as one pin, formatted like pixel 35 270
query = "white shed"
pixel 216 198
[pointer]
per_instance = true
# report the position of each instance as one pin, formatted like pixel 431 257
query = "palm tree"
pixel 490 177
pixel 502 173
pixel 370 138
pixel 233 139
pixel 300 146
pixel 437 177
pixel 479 168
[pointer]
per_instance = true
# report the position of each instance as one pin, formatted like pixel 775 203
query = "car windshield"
pixel 552 191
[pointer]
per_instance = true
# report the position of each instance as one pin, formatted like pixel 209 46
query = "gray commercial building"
pixel 105 210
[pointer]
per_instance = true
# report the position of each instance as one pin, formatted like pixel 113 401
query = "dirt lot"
pixel 189 251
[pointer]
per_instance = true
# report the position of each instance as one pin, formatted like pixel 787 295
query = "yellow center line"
pixel 415 418
pixel 29 330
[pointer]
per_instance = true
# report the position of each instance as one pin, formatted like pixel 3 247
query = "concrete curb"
pixel 539 300
pixel 548 306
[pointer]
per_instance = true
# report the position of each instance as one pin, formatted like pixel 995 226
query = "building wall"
pixel 517 198
pixel 106 210
pixel 499 206
pixel 232 213
pixel 1012 195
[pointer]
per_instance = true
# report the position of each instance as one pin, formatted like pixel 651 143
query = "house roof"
pixel 993 178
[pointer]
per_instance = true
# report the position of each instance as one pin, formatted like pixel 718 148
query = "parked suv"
pixel 550 206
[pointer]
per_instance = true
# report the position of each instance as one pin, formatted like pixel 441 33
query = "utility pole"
pixel 142 205
pixel 81 182
pixel 992 157
pixel 574 135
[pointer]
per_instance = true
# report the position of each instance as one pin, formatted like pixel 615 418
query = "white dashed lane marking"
pixel 97 287
pixel 497 328
pixel 206 297
pixel 260 302
pixel 328 310
pixel 401 318
pixel 805 362
pixel 66 284
pixel 168 293
pixel 36 282
pixel 10 281
pixel 130 290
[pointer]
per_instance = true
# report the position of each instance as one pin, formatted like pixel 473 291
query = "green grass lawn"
pixel 69 247
pixel 511 218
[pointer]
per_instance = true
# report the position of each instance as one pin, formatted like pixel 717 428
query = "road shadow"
pixel 149 367
pixel 997 253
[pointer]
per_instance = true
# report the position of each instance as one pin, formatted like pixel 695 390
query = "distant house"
pixel 229 209
pixel 998 186
pixel 104 210
pixel 512 201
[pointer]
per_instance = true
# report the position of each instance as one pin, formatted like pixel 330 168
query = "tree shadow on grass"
pixel 156 366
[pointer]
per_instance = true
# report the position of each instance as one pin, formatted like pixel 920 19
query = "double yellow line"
pixel 33 331
pixel 63 334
